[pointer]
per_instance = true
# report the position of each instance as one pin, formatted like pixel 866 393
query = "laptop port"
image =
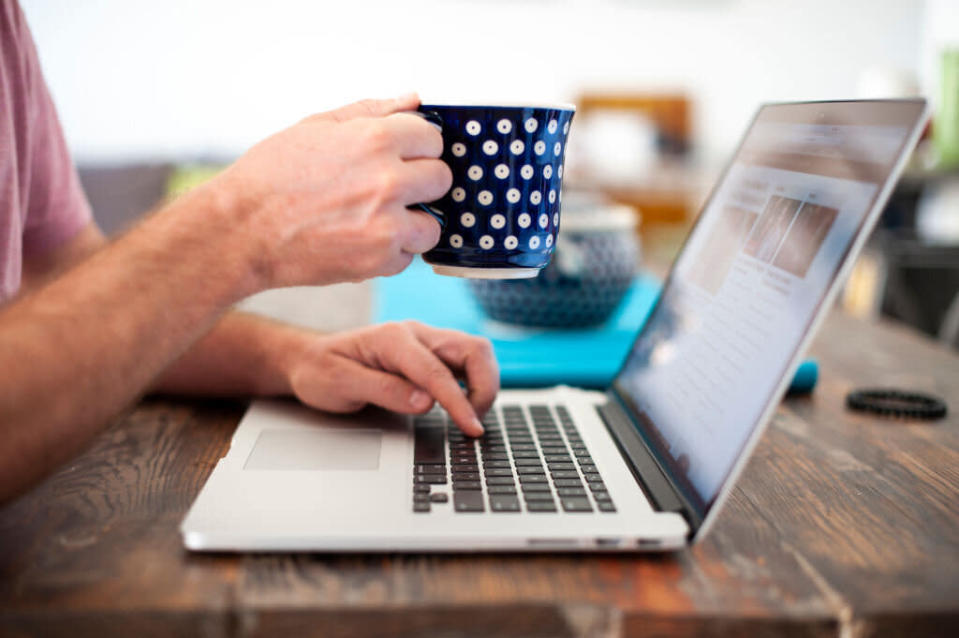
pixel 608 542
pixel 647 543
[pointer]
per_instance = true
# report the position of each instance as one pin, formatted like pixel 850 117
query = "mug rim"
pixel 555 106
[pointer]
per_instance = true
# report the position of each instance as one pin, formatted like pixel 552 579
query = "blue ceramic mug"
pixel 501 216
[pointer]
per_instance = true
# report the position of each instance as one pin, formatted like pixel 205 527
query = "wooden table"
pixel 842 525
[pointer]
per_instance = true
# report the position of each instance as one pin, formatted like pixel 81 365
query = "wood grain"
pixel 841 525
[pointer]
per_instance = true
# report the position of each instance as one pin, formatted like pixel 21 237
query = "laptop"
pixel 644 465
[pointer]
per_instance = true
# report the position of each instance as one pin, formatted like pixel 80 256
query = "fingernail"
pixel 419 398
pixel 406 97
pixel 478 427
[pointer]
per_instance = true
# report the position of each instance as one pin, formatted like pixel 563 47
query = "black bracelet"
pixel 896 403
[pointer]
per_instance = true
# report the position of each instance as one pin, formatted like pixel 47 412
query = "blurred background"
pixel 154 97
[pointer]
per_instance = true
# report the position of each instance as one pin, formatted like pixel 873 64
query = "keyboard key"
pixel 421 488
pixel 533 478
pixel 467 485
pixel 556 467
pixel 606 506
pixel 541 506
pixel 420 508
pixel 430 479
pixel 499 471
pixel 501 489
pixel 597 486
pixel 465 476
pixel 530 469
pixel 571 491
pixel 535 487
pixel 421 497
pixel 568 483
pixel 537 496
pixel 429 445
pixel 602 496
pixel 587 467
pixel 498 456
pixel 557 458
pixel 439 497
pixel 468 501
pixel 495 464
pixel 504 503
pixel 564 474
pixel 430 468
pixel 464 466
pixel 592 476
pixel 523 447
pixel 529 462
pixel 499 480
pixel 576 504
pixel 526 454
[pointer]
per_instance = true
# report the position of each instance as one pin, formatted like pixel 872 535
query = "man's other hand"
pixel 326 200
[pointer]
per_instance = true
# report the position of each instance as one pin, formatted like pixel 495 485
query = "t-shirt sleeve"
pixel 56 206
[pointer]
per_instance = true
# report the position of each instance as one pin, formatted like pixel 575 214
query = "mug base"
pixel 486 273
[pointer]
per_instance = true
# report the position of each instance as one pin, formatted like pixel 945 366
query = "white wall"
pixel 190 77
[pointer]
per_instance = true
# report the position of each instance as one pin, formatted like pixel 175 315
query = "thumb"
pixel 372 108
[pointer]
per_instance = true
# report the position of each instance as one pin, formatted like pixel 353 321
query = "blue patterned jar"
pixel 594 266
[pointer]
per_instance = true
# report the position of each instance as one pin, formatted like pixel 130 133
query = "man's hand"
pixel 403 367
pixel 326 200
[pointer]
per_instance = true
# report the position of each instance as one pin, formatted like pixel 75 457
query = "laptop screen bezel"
pixel 700 510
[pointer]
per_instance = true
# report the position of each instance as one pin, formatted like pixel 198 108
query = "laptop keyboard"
pixel 530 459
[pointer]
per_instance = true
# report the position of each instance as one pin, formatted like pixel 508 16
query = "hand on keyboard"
pixel 403 367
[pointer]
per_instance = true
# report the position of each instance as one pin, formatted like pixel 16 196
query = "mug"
pixel 501 216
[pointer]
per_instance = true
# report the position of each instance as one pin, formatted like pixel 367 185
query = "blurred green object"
pixel 189 176
pixel 946 128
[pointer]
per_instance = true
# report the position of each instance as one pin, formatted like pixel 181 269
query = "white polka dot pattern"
pixel 503 161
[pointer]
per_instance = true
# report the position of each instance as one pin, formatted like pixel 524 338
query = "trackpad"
pixel 326 449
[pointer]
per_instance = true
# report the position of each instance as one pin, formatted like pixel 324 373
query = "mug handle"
pixel 433 118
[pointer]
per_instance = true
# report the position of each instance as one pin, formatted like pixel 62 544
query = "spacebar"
pixel 429 446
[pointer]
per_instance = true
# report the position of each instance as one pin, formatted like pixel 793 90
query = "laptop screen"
pixel 751 277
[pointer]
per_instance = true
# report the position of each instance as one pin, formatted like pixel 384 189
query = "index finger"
pixel 417 363
pixel 473 355
pixel 415 137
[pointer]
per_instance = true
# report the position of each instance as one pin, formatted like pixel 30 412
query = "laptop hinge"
pixel 642 463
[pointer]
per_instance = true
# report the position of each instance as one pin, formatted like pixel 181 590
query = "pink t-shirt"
pixel 42 205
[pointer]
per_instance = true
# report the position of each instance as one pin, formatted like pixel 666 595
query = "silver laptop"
pixel 645 465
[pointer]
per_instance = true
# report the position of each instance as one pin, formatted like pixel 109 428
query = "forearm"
pixel 243 354
pixel 78 350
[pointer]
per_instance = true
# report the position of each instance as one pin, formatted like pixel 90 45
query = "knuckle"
pixel 377 135
pixel 388 183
